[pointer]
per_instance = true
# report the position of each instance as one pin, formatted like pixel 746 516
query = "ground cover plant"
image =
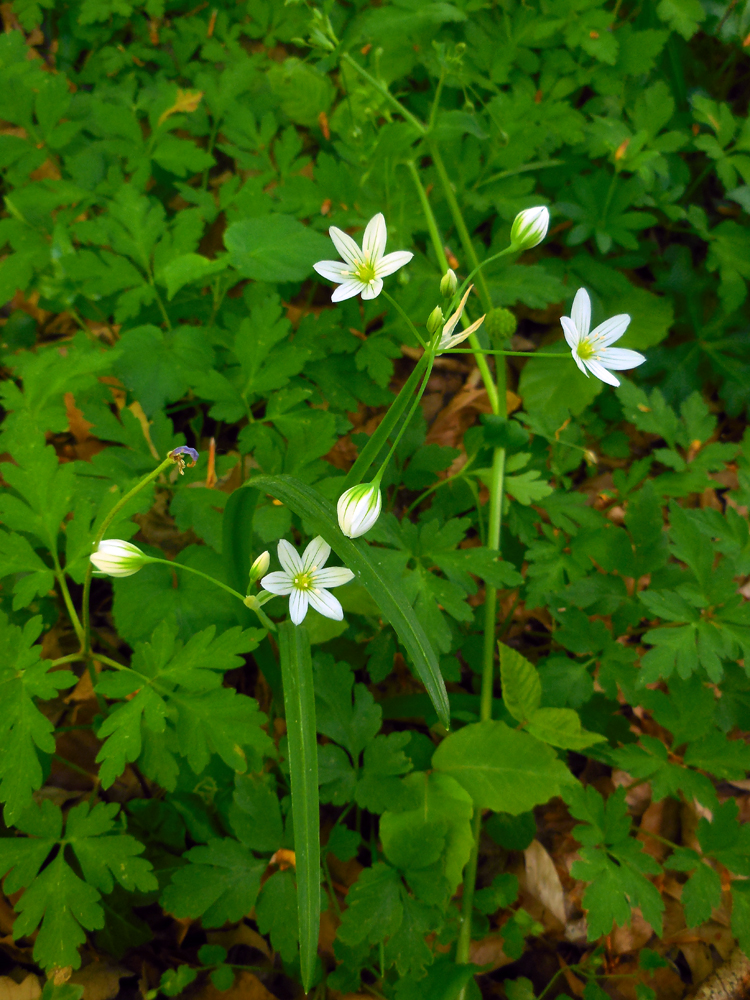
pixel 374 547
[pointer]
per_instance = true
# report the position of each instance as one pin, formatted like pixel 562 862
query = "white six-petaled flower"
pixel 591 350
pixel 364 268
pixel 304 579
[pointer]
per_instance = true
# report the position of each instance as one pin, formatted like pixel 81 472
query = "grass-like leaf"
pixel 299 705
pixel 316 510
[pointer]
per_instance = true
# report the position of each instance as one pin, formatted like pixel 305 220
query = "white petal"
pixel 333 576
pixel 580 364
pixel 350 288
pixel 277 583
pixel 334 270
pixel 571 332
pixel 620 358
pixel 373 289
pixel 581 311
pixel 601 372
pixel 610 330
pixel 326 604
pixel 289 558
pixel 298 606
pixel 315 555
pixel 346 246
pixel 392 262
pixel 373 242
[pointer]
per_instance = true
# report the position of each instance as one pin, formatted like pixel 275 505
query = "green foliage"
pixel 170 173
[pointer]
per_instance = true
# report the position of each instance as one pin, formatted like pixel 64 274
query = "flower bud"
pixel 435 320
pixel 529 228
pixel 359 508
pixel 117 558
pixel 448 284
pixel 260 567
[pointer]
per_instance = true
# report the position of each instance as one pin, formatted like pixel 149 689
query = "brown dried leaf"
pixel 246 987
pixel 28 989
pixel 542 880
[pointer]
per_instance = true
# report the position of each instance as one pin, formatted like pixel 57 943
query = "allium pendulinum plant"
pixel 169 179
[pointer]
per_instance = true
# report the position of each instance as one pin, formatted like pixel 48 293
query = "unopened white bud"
pixel 359 508
pixel 529 228
pixel 118 558
pixel 260 567
pixel 448 284
pixel 435 320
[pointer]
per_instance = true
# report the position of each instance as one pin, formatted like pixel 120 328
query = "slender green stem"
pixel 485 703
pixel 437 242
pixel 404 316
pixel 441 482
pixel 458 220
pixel 541 165
pixel 70 658
pixel 60 576
pixel 507 354
pixel 382 89
pixel 497 484
pixel 99 536
pixel 436 101
pixel 175 565
pixel 380 436
pixel 484 368
pixel 405 423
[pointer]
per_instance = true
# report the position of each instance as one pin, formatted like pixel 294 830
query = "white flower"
pixel 592 350
pixel 359 508
pixel 304 580
pixel 529 228
pixel 447 338
pixel 364 269
pixel 118 558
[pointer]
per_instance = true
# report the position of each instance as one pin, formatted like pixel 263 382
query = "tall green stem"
pixel 99 536
pixel 458 220
pixel 437 243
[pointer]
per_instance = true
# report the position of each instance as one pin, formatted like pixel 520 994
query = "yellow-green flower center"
pixel 366 273
pixel 585 350
pixel 303 581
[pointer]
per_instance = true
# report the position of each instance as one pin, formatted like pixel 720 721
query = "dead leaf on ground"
pixel 28 989
pixel 542 880
pixel 489 951
pixel 246 987
pixel 241 934
pixel 100 980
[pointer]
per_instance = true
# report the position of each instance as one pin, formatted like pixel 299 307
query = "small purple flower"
pixel 177 455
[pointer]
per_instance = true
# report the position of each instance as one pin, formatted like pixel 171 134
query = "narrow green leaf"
pixel 299 705
pixel 385 428
pixel 308 503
